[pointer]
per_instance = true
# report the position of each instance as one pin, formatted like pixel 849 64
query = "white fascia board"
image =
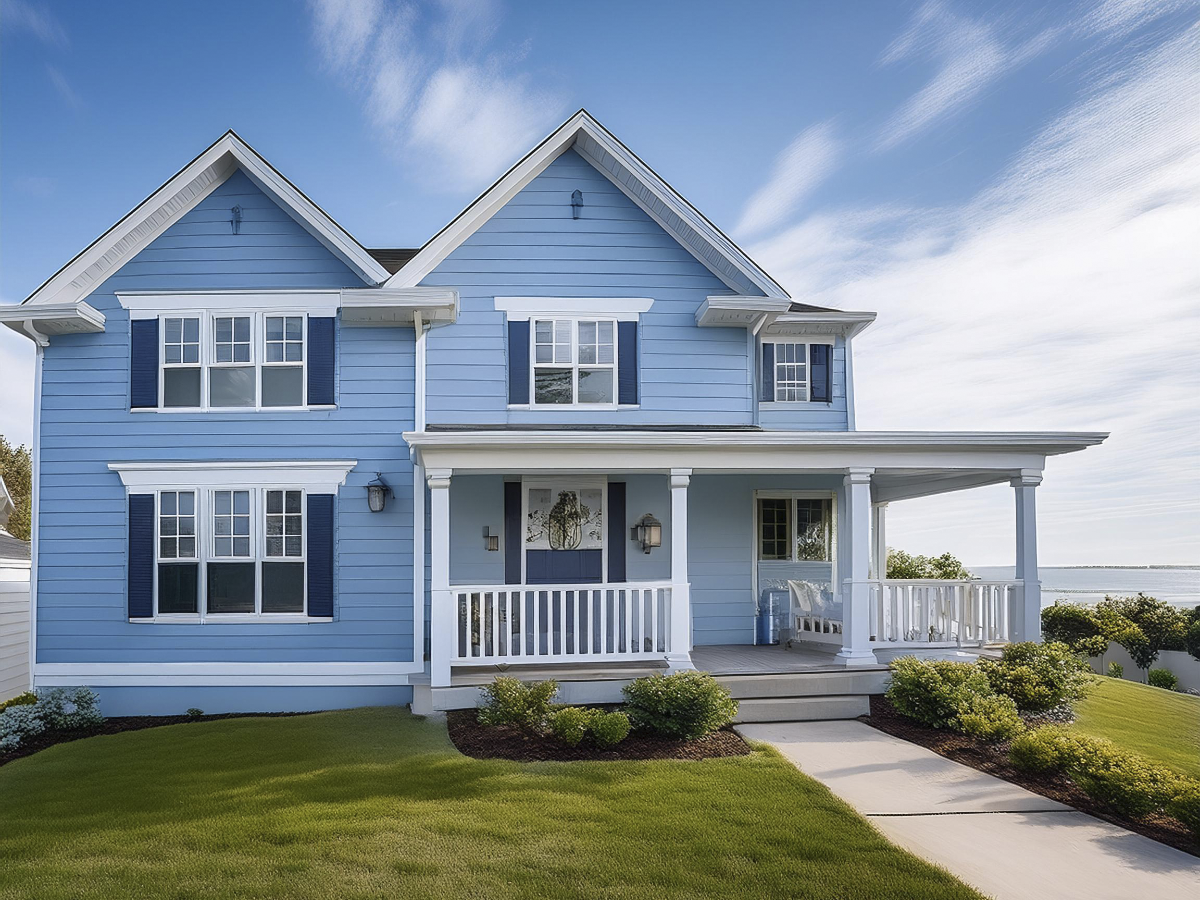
pixel 535 162
pixel 177 197
pixel 317 476
pixel 383 306
pixel 739 311
pixel 623 309
pixel 49 319
pixel 223 673
pixel 846 322
pixel 148 304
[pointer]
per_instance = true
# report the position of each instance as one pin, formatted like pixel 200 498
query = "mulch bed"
pixel 117 725
pixel 509 742
pixel 993 759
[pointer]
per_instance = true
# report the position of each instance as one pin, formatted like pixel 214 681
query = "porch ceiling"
pixel 905 464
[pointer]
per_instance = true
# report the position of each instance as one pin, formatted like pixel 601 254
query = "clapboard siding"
pixel 86 423
pixel 14 628
pixel 533 247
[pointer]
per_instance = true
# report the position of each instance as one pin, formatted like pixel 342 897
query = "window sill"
pixel 786 403
pixel 575 407
pixel 233 619
pixel 196 410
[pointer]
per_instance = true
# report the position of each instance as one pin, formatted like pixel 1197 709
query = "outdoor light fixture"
pixel 377 493
pixel 235 219
pixel 490 541
pixel 576 204
pixel 647 532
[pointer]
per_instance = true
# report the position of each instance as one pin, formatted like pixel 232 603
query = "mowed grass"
pixel 377 803
pixel 1161 725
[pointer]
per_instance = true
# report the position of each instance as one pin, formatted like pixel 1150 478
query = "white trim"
pixel 52 319
pixel 315 476
pixel 35 517
pixel 705 241
pixel 178 196
pixel 178 674
pixel 151 304
pixel 621 309
pixel 849 377
pixel 575 365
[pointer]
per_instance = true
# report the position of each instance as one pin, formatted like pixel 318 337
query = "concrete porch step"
pixel 802 709
pixel 843 682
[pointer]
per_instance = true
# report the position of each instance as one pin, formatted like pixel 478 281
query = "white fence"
pixel 561 623
pixel 14 628
pixel 946 613
pixel 1184 666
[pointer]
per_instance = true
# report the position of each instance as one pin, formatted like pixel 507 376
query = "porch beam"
pixel 1027 623
pixel 679 654
pixel 442 614
pixel 856 588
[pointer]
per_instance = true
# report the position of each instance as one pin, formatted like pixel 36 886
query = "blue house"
pixel 578 431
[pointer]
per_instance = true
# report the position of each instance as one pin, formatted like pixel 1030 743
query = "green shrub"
pixel 1116 670
pixel 1047 749
pixel 570 723
pixel 933 691
pixel 1191 638
pixel 904 565
pixel 1076 626
pixel 990 717
pixel 17 723
pixel 195 712
pixel 1163 678
pixel 509 701
pixel 26 699
pixel 1185 804
pixel 685 706
pixel 1038 676
pixel 610 729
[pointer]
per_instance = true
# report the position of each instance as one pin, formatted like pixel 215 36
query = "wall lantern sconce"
pixel 576 204
pixel 377 493
pixel 235 219
pixel 490 541
pixel 647 532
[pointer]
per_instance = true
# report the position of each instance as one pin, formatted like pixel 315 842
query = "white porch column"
pixel 856 585
pixel 442 613
pixel 1027 621
pixel 679 656
pixel 879 541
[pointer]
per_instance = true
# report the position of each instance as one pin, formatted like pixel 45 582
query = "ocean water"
pixel 1178 585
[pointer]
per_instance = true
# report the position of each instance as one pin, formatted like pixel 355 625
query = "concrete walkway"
pixel 1007 842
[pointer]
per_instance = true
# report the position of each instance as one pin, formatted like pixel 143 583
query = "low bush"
pixel 990 717
pixel 609 729
pixel 1116 670
pixel 1048 749
pixel 68 709
pixel 1185 805
pixel 685 706
pixel 1037 676
pixel 1163 678
pixel 509 701
pixel 935 691
pixel 18 723
pixel 570 723
pixel 195 712
pixel 26 699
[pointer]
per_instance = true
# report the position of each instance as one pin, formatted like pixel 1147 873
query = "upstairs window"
pixel 574 361
pixel 796 372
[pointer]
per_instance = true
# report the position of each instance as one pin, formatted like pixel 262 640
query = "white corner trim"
pixel 148 304
pixel 216 674
pixel 623 309
pixel 316 476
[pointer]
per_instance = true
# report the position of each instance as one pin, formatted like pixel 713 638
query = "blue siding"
pixel 532 247
pixel 175 701
pixel 86 423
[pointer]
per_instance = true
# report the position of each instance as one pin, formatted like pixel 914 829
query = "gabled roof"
pixel 176 198
pixel 639 182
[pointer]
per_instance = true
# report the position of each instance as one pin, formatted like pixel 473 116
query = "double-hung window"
pixel 231 552
pixel 795 529
pixel 796 372
pixel 574 361
pixel 232 361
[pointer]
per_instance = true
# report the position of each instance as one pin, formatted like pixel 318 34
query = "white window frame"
pixel 205 554
pixel 208 361
pixel 568 482
pixel 575 365
pixel 808 383
pixel 791 497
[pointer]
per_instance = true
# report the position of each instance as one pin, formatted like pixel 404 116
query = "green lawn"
pixel 1158 724
pixel 376 803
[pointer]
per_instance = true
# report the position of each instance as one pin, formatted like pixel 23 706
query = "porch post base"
pixel 849 656
pixel 680 662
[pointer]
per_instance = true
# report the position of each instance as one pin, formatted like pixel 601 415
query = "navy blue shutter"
pixel 320 554
pixel 141 555
pixel 143 363
pixel 512 532
pixel 518 363
pixel 768 372
pixel 321 350
pixel 616 532
pixel 821 370
pixel 627 362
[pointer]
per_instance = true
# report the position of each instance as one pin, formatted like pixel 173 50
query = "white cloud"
pixel 798 170
pixel 34 18
pixel 68 93
pixel 971 54
pixel 1117 16
pixel 432 86
pixel 1063 297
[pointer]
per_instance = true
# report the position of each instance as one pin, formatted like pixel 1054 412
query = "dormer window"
pixel 796 372
pixel 574 361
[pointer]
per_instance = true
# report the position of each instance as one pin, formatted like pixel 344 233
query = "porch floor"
pixel 768 659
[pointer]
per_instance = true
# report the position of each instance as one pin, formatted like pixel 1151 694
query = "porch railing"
pixel 946 613
pixel 560 623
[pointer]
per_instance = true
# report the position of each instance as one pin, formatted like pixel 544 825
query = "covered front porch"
pixel 732 509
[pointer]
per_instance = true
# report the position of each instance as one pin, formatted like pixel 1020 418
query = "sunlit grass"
pixel 1161 725
pixel 376 803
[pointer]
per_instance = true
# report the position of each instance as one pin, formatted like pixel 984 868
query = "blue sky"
pixel 1014 187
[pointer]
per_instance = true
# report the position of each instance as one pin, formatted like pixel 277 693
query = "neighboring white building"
pixel 14 604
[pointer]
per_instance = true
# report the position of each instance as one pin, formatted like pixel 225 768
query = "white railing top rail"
pixel 587 586
pixel 936 582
